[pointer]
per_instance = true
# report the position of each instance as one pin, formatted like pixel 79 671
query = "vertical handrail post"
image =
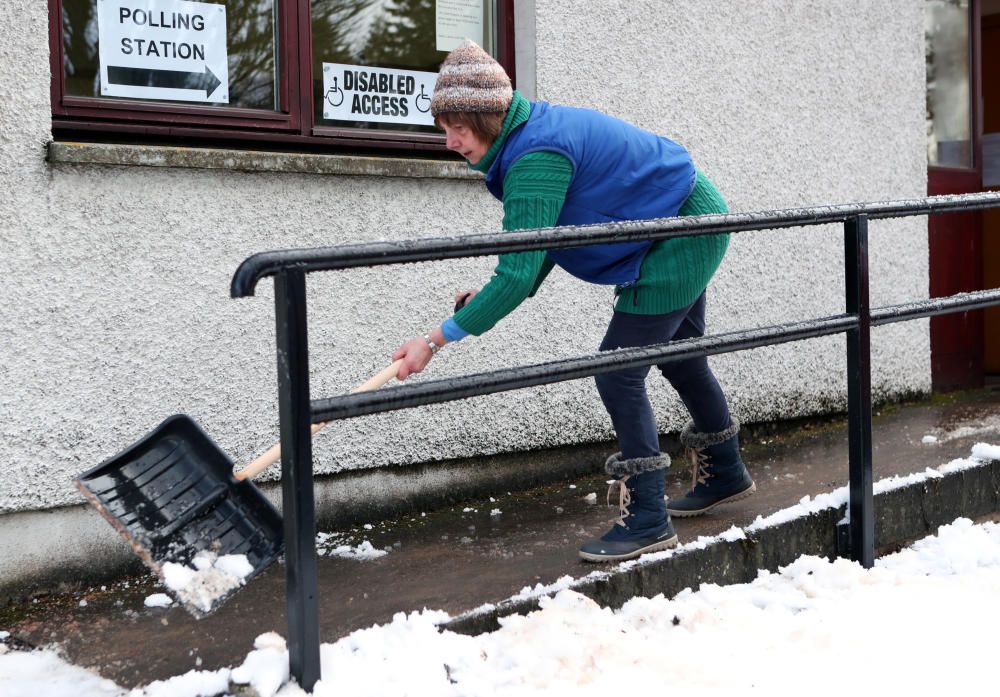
pixel 859 393
pixel 298 504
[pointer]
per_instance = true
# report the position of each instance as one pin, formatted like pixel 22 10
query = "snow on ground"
pixel 158 600
pixel 987 424
pixel 922 621
pixel 333 545
pixel 44 674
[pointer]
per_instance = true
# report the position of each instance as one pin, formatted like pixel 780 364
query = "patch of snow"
pixel 561 583
pixel 481 610
pixel 901 481
pixel 235 565
pixel 929 439
pixel 839 497
pixel 361 552
pixel 269 640
pixel 176 576
pixel 733 534
pixel 158 600
pixel 43 673
pixel 194 683
pixel 265 668
pixel 203 561
pixel 806 506
pixel 985 451
pixel 777 634
pixel 988 424
pixel 703 542
pixel 207 579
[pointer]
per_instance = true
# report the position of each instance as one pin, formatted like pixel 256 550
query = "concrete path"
pixel 459 558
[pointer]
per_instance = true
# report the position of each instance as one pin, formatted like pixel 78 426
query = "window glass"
pixel 949 117
pixel 375 61
pixel 213 53
pixel 357 72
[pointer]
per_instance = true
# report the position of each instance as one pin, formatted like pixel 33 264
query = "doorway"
pixel 990 64
pixel 963 155
pixel 954 165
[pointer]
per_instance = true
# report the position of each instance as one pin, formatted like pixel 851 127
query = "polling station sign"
pixel 381 95
pixel 163 49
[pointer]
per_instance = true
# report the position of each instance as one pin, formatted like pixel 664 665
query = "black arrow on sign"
pixel 149 77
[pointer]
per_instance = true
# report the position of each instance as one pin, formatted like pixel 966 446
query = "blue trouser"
pixel 624 392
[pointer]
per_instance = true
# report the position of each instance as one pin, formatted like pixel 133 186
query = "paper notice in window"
pixel 163 49
pixel 458 20
pixel 377 95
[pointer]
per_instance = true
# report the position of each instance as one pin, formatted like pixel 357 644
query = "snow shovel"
pixel 175 499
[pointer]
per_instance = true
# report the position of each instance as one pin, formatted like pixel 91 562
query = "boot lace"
pixel 700 466
pixel 624 499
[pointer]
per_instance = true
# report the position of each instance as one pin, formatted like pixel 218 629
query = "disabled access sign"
pixel 381 95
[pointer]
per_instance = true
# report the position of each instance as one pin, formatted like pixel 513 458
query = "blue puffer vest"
pixel 620 172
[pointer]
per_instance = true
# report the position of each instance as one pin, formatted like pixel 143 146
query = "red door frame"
pixel 955 246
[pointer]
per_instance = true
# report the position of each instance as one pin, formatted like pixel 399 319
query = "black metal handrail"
pixel 347 256
pixel 450 389
pixel 297 411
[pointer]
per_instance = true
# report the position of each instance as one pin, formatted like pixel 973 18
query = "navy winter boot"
pixel 644 525
pixel 718 475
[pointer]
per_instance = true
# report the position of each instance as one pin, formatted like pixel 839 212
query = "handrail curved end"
pixel 245 279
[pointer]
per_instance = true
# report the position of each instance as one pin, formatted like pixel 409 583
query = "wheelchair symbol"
pixel 427 101
pixel 335 93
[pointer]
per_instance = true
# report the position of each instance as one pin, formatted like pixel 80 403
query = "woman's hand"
pixel 416 354
pixel 461 299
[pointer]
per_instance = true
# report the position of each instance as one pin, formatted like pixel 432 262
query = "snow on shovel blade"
pixel 174 499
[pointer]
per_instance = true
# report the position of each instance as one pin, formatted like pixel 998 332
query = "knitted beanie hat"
pixel 471 80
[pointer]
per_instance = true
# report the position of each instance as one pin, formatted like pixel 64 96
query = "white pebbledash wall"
pixel 116 311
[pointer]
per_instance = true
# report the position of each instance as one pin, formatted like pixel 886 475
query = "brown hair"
pixel 486 125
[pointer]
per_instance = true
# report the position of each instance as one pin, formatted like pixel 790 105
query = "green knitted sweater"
pixel 674 273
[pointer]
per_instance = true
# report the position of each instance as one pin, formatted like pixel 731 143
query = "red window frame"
pixel 293 122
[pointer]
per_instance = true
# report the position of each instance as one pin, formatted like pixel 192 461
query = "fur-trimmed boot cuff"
pixel 690 438
pixel 718 474
pixel 618 467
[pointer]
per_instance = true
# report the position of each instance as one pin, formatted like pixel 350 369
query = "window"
pixel 313 72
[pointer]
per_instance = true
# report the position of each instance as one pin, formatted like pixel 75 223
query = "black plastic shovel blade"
pixel 174 498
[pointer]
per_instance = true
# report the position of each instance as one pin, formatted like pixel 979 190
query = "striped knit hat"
pixel 471 80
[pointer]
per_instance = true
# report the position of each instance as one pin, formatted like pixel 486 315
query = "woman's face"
pixel 462 140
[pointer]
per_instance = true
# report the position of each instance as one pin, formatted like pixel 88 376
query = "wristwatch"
pixel 431 345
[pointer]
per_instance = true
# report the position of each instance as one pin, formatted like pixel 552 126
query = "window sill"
pixel 62 152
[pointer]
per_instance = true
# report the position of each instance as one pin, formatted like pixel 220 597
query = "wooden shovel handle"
pixel 380 378
pixel 273 454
